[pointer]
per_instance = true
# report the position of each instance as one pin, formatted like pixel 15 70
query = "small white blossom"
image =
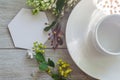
pixel 46 0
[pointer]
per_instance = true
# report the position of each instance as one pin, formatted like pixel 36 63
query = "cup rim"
pixel 96 36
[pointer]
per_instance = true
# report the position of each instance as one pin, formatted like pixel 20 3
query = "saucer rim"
pixel 67 40
pixel 96 76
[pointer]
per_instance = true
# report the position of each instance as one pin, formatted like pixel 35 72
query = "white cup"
pixel 106 35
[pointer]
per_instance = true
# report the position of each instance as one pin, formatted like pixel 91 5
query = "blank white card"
pixel 27 28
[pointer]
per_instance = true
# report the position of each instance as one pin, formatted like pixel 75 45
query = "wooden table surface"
pixel 14 65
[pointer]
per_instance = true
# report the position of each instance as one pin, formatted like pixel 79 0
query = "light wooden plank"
pixel 8 9
pixel 5 39
pixel 14 65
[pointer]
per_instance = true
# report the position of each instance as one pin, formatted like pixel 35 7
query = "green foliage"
pixel 43 66
pixel 38 48
pixel 63 69
pixel 58 77
pixel 55 76
pixel 57 7
pixel 51 63
pixel 40 5
pixel 40 57
pixel 50 26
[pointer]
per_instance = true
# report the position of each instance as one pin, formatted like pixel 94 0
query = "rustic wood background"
pixel 14 65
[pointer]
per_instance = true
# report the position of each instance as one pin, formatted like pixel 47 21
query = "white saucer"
pixel 87 58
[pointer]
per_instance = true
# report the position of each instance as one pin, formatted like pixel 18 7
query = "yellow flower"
pixel 68 71
pixel 64 68
pixel 62 73
pixel 48 71
pixel 42 51
pixel 60 68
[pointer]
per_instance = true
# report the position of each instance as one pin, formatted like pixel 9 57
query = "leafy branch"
pixel 57 7
pixel 59 71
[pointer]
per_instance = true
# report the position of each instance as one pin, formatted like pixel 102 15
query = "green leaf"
pixel 58 77
pixel 55 76
pixel 63 79
pixel 50 26
pixel 40 57
pixel 43 66
pixel 51 63
pixel 35 11
pixel 59 5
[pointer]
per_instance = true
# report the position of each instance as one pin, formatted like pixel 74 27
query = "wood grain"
pixel 5 39
pixel 14 65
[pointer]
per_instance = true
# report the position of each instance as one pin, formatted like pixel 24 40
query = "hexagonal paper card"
pixel 26 28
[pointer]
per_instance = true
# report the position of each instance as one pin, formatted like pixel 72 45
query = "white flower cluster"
pixel 40 5
pixel 71 2
pixel 43 5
